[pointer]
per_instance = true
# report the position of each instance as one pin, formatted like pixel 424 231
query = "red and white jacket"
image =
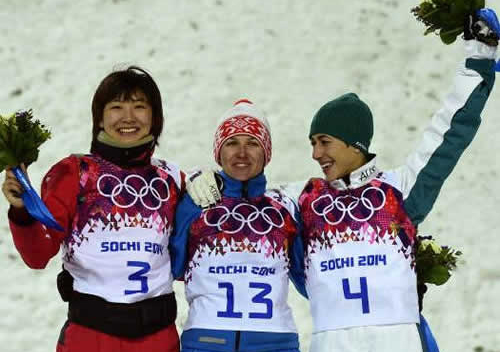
pixel 117 223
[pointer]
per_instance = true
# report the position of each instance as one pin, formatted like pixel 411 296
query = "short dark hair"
pixel 123 84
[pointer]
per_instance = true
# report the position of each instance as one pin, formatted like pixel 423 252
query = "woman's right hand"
pixel 12 189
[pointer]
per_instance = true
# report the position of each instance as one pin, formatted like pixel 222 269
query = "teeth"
pixel 127 130
pixel 326 165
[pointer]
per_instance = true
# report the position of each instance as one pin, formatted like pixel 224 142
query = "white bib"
pixel 359 284
pixel 227 293
pixel 122 266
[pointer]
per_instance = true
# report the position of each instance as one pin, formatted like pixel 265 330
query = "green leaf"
pixel 431 29
pixel 6 159
pixel 437 275
pixel 449 37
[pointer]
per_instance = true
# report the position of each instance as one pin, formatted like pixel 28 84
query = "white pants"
pixel 381 338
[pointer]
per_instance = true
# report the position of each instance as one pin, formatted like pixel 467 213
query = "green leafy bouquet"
pixel 20 138
pixel 434 263
pixel 446 17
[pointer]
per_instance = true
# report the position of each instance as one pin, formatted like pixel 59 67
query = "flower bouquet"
pixel 434 263
pixel 446 17
pixel 20 139
pixel 450 18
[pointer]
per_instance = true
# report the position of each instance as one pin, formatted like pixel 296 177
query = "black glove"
pixel 477 26
pixel 421 290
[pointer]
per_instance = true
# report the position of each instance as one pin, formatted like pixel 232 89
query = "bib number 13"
pixel 258 298
pixel 362 294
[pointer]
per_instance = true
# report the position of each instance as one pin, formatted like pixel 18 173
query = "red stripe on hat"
pixel 242 101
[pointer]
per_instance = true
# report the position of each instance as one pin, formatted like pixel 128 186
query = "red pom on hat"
pixel 244 118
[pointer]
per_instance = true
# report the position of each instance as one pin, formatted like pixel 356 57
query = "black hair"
pixel 123 84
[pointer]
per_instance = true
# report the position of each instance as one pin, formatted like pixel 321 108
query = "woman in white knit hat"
pixel 234 258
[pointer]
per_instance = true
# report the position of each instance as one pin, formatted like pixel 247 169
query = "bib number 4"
pixel 362 294
pixel 258 298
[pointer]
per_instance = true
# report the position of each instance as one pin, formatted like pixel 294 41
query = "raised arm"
pixel 451 130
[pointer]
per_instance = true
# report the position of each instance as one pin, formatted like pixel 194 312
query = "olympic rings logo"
pixel 146 191
pixel 269 216
pixel 348 207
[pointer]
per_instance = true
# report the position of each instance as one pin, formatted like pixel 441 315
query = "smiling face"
pixel 336 158
pixel 127 121
pixel 242 157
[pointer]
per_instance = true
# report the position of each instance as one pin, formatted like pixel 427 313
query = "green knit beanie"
pixel 347 118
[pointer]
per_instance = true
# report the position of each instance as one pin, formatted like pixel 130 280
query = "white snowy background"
pixel 289 57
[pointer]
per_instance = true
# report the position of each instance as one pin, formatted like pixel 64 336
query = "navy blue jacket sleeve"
pixel 297 266
pixel 186 213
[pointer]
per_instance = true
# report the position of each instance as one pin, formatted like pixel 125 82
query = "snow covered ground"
pixel 289 57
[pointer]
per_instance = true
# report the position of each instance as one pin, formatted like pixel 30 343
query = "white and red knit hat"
pixel 243 118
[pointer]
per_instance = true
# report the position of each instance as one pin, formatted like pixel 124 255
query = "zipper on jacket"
pixel 237 341
pixel 244 190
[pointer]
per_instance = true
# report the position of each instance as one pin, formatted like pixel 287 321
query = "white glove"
pixel 203 189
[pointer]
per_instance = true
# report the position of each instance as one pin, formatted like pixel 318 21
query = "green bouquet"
pixel 446 17
pixel 20 138
pixel 434 263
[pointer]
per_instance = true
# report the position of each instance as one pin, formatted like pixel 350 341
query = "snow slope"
pixel 289 57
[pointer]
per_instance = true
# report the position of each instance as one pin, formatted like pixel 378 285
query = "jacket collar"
pixel 252 188
pixel 125 156
pixel 360 176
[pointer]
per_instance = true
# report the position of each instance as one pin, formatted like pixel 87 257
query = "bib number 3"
pixel 139 276
pixel 259 298
pixel 362 294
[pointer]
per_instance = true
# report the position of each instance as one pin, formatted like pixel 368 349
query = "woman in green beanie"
pixel 360 223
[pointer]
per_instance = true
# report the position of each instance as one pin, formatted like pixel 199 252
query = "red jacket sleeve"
pixel 60 187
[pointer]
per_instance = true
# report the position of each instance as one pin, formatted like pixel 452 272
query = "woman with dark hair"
pixel 116 206
pixel 125 83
